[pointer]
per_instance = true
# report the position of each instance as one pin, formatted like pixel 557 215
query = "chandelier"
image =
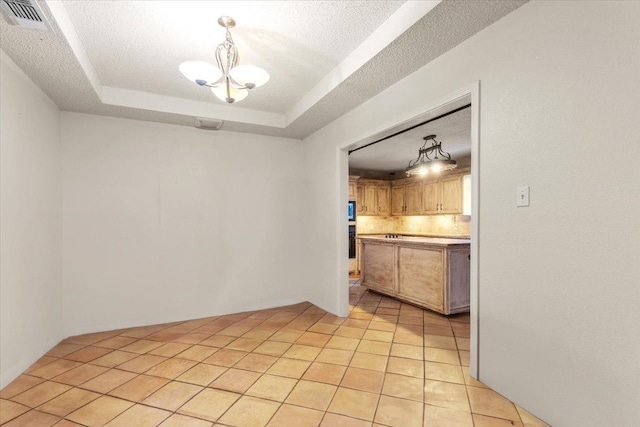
pixel 228 81
pixel 425 163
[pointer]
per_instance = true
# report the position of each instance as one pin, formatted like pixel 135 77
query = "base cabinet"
pixel 433 276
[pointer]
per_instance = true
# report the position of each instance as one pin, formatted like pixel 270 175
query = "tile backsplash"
pixel 423 225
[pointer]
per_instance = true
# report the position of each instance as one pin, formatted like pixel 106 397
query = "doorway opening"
pixel 386 204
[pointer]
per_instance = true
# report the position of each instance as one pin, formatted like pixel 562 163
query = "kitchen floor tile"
pixel 272 348
pixel 68 402
pixel 88 354
pixel 363 379
pixel 272 387
pixel 435 416
pixel 19 385
pixel 343 343
pixel 324 373
pixel 409 367
pixel 312 395
pixel 141 363
pixel 209 404
pixel 250 412
pixel 171 349
pixel 443 372
pixel 138 388
pixel 177 420
pixel 289 368
pixel 354 403
pixel 235 380
pixel 488 402
pixel 446 395
pixel 396 412
pixel 55 368
pixel 40 394
pixel 484 421
pixel 100 411
pixel 296 416
pixel 10 410
pixel 256 362
pixel 374 347
pixel 403 387
pixel 139 416
pixel 171 368
pixel 225 357
pixel 530 420
pixel 108 381
pixel 172 396
pixel 202 374
pixel 336 420
pixel 335 356
pixel 407 351
pixel 33 419
pixel 81 374
pixel 114 359
pixel 369 361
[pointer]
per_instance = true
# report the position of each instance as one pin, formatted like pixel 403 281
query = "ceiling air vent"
pixel 25 13
pixel 209 124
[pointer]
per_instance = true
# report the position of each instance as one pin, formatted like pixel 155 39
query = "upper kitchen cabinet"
pixel 443 196
pixel 353 183
pixel 406 198
pixel 373 197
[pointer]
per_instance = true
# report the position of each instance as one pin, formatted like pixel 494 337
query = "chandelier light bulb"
pixel 423 171
pixel 236 94
pixel 200 71
pixel 249 75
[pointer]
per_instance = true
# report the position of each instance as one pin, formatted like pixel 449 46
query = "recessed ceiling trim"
pixel 64 22
pixel 401 20
pixel 170 104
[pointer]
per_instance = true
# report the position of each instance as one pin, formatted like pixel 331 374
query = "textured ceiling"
pixel 394 154
pixel 139 45
pixel 136 46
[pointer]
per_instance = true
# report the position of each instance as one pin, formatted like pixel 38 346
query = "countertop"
pixel 439 241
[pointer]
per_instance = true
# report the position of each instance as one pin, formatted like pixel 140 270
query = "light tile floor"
pixel 387 364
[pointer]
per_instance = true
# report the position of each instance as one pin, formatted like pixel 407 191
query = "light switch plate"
pixel 522 196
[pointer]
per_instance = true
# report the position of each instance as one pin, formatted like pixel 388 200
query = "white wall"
pixel 30 224
pixel 559 288
pixel 165 223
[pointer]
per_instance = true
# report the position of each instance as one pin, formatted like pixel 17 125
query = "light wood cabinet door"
pixel 397 200
pixel 377 266
pixel 412 199
pixel 451 195
pixel 352 191
pixel 360 200
pixel 421 276
pixel 383 200
pixel 370 207
pixel 430 199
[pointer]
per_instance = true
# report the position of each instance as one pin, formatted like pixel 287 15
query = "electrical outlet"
pixel 522 196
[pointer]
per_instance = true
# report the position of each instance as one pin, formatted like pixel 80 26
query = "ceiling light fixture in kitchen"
pixel 425 164
pixel 228 81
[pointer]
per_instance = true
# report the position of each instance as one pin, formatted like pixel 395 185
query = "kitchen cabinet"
pixel 373 198
pixel 353 183
pixel 406 199
pixel 433 273
pixel 443 196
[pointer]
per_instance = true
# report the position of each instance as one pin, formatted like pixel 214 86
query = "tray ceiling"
pixel 325 57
